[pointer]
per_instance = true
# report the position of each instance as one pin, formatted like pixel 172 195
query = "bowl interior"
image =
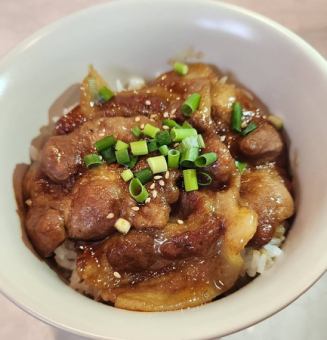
pixel 128 38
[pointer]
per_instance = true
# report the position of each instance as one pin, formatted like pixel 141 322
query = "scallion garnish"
pixel 150 130
pixel 137 190
pixel 180 68
pixel 188 157
pixel 105 143
pixel 126 175
pixel 205 159
pixel 171 123
pixel 105 94
pixel 201 141
pixel 241 166
pixel 139 148
pixel 109 155
pixel 164 150
pixel 177 135
pixel 122 156
pixel 92 159
pixel 187 125
pixel 237 112
pixel 157 164
pixel 136 131
pixel 190 142
pixel 120 145
pixel 144 175
pixel 191 104
pixel 132 162
pixel 190 180
pixel 173 159
pixel 152 145
pixel 251 127
pixel 204 179
pixel 163 138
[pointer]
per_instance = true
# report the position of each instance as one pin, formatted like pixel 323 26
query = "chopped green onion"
pixel 187 125
pixel 191 104
pixel 241 166
pixel 177 135
pixel 105 94
pixel 163 138
pixel 109 155
pixel 276 121
pixel 251 127
pixel 173 158
pixel 132 162
pixel 144 175
pixel 188 157
pixel 122 156
pixel 136 131
pixel 164 150
pixel 92 159
pixel 139 148
pixel 171 123
pixel 157 164
pixel 206 159
pixel 120 145
pixel 150 130
pixel 180 68
pixel 126 175
pixel 137 190
pixel 152 145
pixel 237 112
pixel 204 179
pixel 201 141
pixel 190 142
pixel 190 180
pixel 105 143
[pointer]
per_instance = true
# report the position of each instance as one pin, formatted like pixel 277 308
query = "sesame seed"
pixel 117 275
pixel 167 174
pixel 142 126
pixel 148 200
pixel 28 202
pixel 110 215
pixel 157 177
pixel 91 104
pixel 173 111
pixel 162 183
pixel 222 138
pixel 154 193
pixel 243 125
pixel 165 127
pixel 135 208
pixel 180 221
pixel 152 186
pixel 166 114
pixel 147 102
pixel 137 119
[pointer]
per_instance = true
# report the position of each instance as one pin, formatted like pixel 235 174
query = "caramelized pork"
pixel 183 248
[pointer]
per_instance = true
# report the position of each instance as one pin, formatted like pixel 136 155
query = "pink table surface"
pixel 304 319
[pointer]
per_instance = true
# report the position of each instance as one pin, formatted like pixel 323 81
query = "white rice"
pixel 256 261
pixel 133 84
pixel 65 255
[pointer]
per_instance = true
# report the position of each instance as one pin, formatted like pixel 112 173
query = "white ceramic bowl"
pixel 138 37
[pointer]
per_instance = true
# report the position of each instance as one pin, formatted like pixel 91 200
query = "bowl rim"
pixel 300 43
